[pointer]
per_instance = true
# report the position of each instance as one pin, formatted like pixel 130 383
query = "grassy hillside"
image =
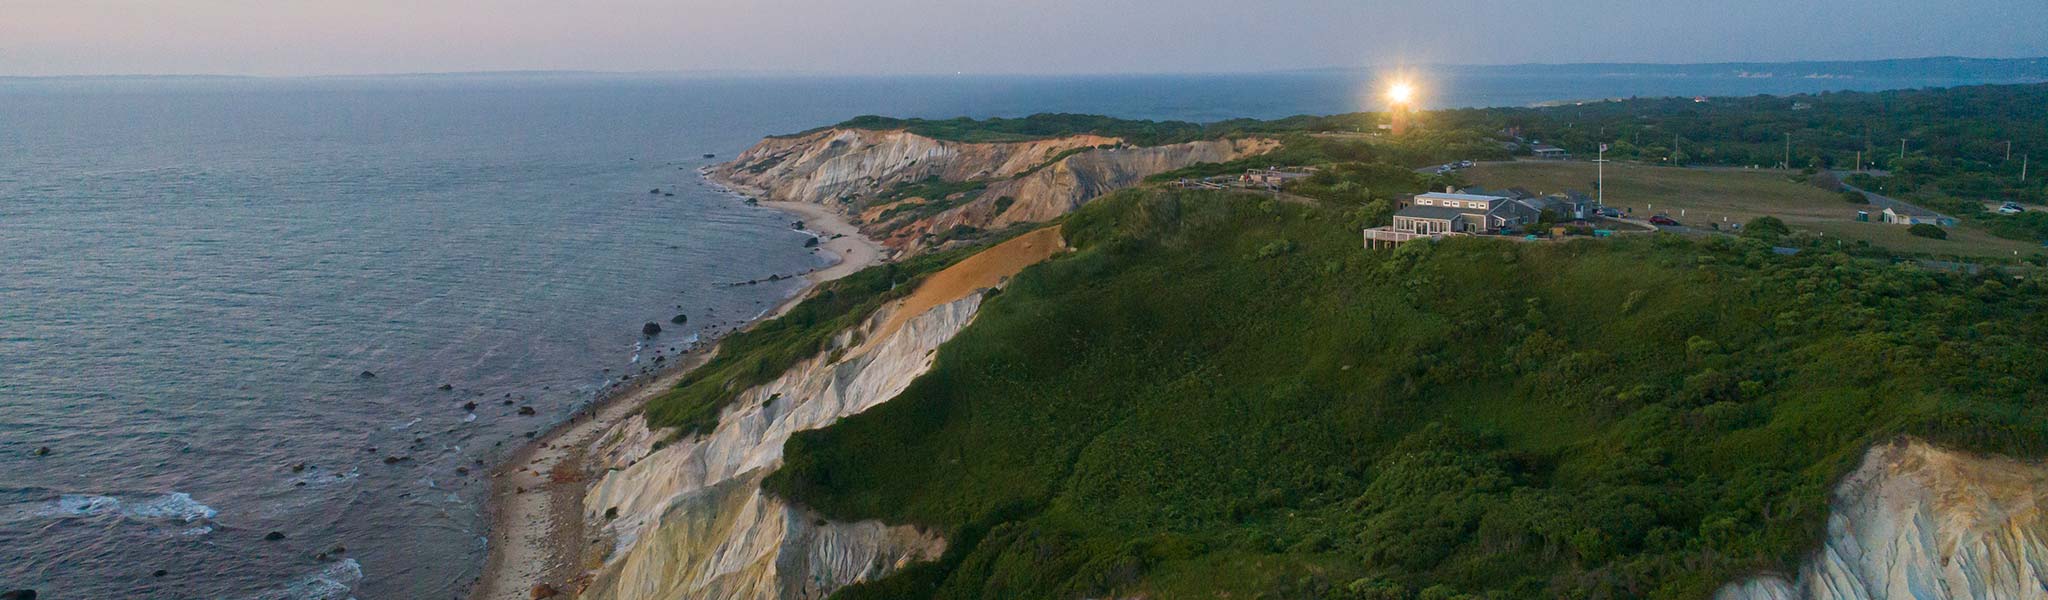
pixel 1223 396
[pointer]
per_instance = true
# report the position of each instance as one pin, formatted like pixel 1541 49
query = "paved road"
pixel 1879 202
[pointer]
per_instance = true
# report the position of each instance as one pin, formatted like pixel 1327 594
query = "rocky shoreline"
pixel 537 539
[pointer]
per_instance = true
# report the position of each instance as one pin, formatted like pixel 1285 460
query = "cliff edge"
pixel 914 192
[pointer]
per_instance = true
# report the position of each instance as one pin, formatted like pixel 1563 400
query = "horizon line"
pixel 802 73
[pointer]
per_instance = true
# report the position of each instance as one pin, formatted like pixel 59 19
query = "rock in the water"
pixel 273 536
pixel 18 595
pixel 542 590
pixel 811 243
pixel 650 329
pixel 526 411
pixel 297 467
pixel 368 375
pixel 446 387
pixel 159 573
pixel 654 191
pixel 395 459
pixel 469 406
pixel 710 155
pixel 679 319
pixel 41 451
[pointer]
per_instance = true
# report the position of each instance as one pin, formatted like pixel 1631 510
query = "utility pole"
pixel 2008 151
pixel 1788 151
pixel 1902 150
pixel 1600 182
pixel 2023 168
pixel 1859 161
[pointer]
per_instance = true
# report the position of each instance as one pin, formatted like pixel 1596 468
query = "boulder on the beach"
pixel 273 536
pixel 679 319
pixel 367 375
pixel 542 590
pixel 811 243
pixel 650 329
pixel 526 411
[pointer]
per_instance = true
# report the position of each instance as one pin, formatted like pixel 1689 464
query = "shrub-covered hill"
pixel 1221 396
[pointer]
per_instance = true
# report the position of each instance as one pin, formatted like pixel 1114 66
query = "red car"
pixel 1663 221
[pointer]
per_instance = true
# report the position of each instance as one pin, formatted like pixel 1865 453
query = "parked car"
pixel 2011 208
pixel 1663 221
pixel 1611 213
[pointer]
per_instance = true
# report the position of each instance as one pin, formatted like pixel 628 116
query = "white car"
pixel 2011 208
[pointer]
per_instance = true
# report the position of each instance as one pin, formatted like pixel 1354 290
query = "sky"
pixel 333 37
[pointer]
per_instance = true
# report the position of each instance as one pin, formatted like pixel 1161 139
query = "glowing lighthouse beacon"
pixel 1400 100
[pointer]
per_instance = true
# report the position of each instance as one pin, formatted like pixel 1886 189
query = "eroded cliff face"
pixel 1033 181
pixel 1923 523
pixel 689 520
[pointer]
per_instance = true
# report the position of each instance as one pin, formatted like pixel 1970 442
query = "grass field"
pixel 1702 197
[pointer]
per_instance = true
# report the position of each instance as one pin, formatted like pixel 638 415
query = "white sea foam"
pixel 177 506
pixel 336 581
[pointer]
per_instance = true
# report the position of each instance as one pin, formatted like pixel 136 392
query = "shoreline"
pixel 535 509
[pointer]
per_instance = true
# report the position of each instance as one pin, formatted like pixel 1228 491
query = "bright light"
pixel 1401 93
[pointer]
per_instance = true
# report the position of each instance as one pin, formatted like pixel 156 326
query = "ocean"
pixel 230 307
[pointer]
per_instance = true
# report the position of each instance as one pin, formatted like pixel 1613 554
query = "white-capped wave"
pixel 336 581
pixel 175 506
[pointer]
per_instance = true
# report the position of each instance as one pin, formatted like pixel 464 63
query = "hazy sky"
pixel 305 37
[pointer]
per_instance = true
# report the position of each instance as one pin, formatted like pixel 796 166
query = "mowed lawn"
pixel 1704 197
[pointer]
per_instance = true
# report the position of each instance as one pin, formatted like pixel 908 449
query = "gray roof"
pixel 1441 213
pixel 1470 197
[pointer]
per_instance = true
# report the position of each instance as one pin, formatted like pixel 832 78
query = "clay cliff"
pixel 1923 523
pixel 875 177
pixel 689 519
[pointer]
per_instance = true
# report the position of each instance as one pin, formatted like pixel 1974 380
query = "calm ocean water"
pixel 195 273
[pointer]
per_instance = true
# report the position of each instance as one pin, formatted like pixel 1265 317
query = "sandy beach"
pixel 536 504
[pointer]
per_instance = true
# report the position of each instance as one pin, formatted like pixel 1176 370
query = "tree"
pixel 1765 228
pixel 1928 230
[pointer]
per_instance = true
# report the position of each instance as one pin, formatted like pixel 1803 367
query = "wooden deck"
pixel 1388 237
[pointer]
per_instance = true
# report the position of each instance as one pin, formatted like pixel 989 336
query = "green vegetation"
pixel 757 355
pixel 1223 396
pixel 1928 230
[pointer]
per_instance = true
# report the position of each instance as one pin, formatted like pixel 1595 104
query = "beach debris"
pixel 526 411
pixel 368 375
pixel 273 536
pixel 650 329
pixel 679 319
pixel 41 451
pixel 542 590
